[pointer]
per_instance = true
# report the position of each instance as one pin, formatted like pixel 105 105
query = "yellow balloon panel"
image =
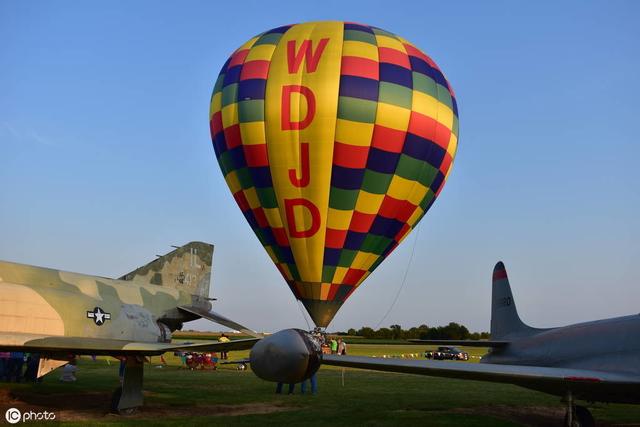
pixel 301 104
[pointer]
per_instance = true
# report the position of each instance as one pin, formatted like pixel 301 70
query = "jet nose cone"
pixel 288 356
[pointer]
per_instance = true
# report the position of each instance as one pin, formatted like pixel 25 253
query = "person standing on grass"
pixel 292 387
pixel 4 365
pixel 183 359
pixel 121 368
pixel 16 361
pixel 31 373
pixel 69 372
pixel 314 385
pixel 341 346
pixel 334 346
pixel 223 338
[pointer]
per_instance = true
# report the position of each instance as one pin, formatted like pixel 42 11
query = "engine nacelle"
pixel 289 356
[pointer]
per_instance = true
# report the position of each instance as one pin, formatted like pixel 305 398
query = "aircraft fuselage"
pixel 42 301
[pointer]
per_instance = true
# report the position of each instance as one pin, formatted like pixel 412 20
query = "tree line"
pixel 452 331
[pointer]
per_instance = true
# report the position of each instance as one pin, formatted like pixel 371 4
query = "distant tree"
pixel 412 333
pixel 396 332
pixel 366 332
pixel 422 329
pixel 452 331
pixel 384 333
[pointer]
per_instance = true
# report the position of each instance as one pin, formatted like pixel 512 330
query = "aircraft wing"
pixel 220 319
pixel 467 343
pixel 99 346
pixel 583 383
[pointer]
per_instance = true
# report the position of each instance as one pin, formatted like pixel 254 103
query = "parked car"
pixel 447 353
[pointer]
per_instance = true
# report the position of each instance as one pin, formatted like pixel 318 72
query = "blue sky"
pixel 107 158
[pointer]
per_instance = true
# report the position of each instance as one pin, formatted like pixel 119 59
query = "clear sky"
pixel 106 157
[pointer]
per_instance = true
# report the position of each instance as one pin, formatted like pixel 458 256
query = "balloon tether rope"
pixel 404 279
pixel 303 316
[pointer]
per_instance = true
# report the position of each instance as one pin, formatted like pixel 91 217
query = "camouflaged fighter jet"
pixel 595 361
pixel 57 313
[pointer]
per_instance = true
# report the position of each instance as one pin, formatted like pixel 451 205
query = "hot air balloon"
pixel 335 139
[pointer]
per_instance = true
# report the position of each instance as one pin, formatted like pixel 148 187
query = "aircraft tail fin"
pixel 187 268
pixel 504 315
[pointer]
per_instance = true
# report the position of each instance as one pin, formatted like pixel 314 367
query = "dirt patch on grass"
pixel 212 410
pixel 95 406
pixel 529 416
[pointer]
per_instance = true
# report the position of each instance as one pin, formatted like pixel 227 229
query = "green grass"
pixel 175 396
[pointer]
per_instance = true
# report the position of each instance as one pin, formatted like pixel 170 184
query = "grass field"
pixel 176 396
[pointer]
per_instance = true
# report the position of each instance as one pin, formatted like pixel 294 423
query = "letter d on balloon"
pixel 286 122
pixel 289 205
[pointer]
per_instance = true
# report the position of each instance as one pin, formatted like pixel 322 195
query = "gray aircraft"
pixel 595 361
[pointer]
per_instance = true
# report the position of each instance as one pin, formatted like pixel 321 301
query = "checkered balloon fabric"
pixel 335 139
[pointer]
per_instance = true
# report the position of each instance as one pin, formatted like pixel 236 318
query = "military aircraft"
pixel 57 314
pixel 593 361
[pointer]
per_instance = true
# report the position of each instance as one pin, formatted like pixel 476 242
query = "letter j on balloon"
pixel 335 139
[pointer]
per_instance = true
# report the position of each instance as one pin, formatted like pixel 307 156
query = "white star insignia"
pixel 98 315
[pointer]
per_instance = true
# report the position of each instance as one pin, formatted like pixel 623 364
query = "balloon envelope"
pixel 335 139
